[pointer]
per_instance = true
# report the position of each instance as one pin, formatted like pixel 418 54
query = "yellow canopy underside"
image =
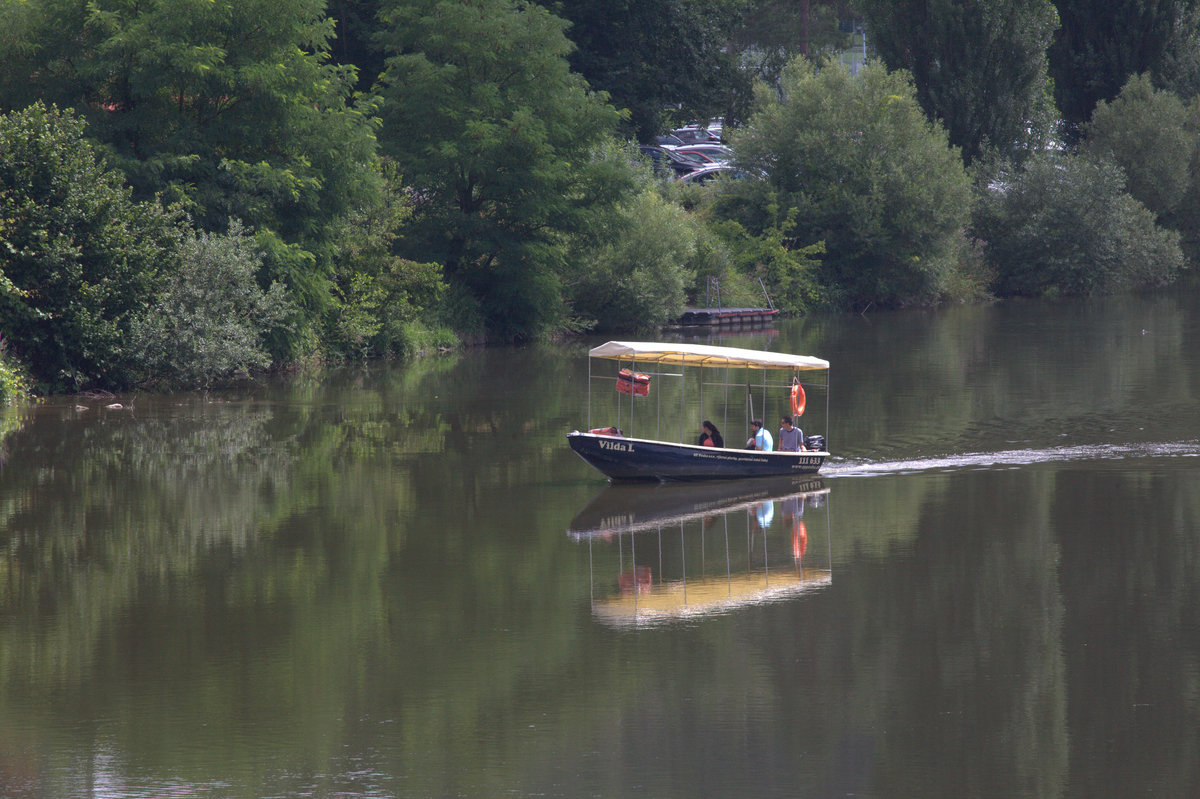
pixel 703 355
pixel 677 600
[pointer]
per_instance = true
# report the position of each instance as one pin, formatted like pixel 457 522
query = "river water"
pixel 399 582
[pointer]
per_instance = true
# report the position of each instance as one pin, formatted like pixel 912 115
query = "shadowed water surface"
pixel 399 582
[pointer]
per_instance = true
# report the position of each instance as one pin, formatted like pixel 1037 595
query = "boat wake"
pixel 1013 458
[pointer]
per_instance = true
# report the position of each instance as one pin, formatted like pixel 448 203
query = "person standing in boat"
pixel 761 439
pixel 711 436
pixel 791 438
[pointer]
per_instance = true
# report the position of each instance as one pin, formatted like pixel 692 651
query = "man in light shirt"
pixel 761 439
pixel 791 438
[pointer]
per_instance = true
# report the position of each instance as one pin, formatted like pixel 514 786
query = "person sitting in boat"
pixel 761 438
pixel 791 438
pixel 710 436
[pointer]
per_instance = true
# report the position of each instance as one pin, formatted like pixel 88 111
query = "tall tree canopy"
pixel 770 33
pixel 1145 132
pixel 1100 45
pixel 979 65
pixel 664 60
pixel 228 105
pixel 865 171
pixel 357 23
pixel 494 134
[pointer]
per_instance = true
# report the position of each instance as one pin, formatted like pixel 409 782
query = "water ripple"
pixel 1014 457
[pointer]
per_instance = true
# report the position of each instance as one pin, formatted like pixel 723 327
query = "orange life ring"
pixel 797 399
pixel 799 539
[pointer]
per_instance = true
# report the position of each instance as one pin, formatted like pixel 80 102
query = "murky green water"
pixel 400 582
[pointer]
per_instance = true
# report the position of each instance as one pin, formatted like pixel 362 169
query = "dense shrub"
pixel 1064 225
pixel 13 383
pixel 787 270
pixel 865 172
pixel 384 305
pixel 79 259
pixel 211 319
pixel 1144 132
pixel 636 276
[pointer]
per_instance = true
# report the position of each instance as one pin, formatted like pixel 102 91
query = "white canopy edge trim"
pixel 703 355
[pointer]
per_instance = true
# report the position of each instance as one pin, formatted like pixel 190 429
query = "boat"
pixel 682 551
pixel 690 378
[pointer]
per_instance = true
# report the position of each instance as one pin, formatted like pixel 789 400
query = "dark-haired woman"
pixel 711 437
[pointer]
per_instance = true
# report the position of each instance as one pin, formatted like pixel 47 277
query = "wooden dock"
pixel 728 317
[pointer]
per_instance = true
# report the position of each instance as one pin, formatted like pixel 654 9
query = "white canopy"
pixel 703 355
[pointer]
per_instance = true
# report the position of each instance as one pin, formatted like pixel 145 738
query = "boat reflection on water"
pixel 687 550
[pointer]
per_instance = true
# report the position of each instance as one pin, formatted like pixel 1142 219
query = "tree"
pixel 770 33
pixel 866 173
pixel 494 134
pixel 1145 132
pixel 1098 46
pixel 209 319
pixel 979 65
pixel 664 60
pixel 1064 225
pixel 357 24
pixel 79 257
pixel 636 274
pixel 384 302
pixel 229 106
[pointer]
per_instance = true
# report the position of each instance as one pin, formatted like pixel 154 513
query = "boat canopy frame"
pixel 645 356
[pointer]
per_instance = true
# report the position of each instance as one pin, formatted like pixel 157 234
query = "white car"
pixel 711 173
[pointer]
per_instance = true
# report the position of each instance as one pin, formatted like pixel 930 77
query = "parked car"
pixel 663 159
pixel 693 134
pixel 716 153
pixel 693 154
pixel 669 140
pixel 709 173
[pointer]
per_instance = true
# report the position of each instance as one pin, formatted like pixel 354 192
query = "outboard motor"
pixel 815 443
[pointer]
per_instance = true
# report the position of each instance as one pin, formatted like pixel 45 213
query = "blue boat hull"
pixel 623 458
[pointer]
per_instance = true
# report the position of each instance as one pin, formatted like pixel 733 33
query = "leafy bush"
pixel 865 172
pixel 1064 225
pixel 13 382
pixel 211 319
pixel 636 274
pixel 79 257
pixel 383 302
pixel 789 271
pixel 1144 131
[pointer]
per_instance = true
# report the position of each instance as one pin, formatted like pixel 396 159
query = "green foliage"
pixel 666 61
pixel 210 319
pixel 787 269
pixel 866 173
pixel 1064 225
pixel 770 33
pixel 1144 131
pixel 14 383
pixel 228 106
pixel 636 275
pixel 1099 46
pixel 494 133
pixel 379 296
pixel 979 65
pixel 356 25
pixel 78 258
